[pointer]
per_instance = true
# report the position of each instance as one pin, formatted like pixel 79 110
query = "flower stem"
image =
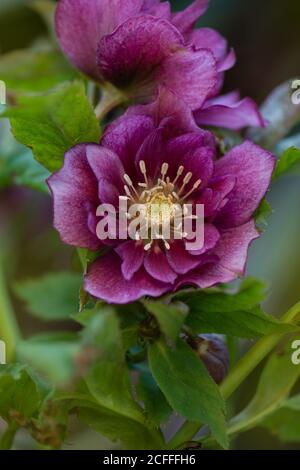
pixel 111 98
pixel 7 438
pixel 237 375
pixel 9 330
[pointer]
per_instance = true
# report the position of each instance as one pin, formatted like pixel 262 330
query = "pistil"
pixel 162 200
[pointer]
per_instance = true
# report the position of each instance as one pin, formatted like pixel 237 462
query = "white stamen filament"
pixel 163 194
pixel 164 170
pixel 196 186
pixel 179 173
pixel 144 171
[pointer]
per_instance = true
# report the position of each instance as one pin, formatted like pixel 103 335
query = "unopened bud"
pixel 213 353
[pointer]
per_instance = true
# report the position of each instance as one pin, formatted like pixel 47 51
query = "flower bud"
pixel 213 353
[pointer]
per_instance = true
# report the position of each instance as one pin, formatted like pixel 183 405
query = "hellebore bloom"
pixel 157 154
pixel 133 45
pixel 137 45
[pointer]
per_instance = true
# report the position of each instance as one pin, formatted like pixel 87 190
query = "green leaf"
pixel 241 323
pixel 29 70
pixel 285 422
pixel 27 401
pixel 156 406
pixel 187 386
pixel 277 380
pixel 115 427
pixel 52 123
pixel 22 393
pixel 54 296
pixel 250 293
pixel 115 414
pixel 262 213
pixel 170 317
pixel 234 314
pixel 53 355
pixel 21 169
pixel 17 165
pixel 287 162
pixel 108 380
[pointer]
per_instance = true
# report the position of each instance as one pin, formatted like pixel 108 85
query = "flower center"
pixel 160 209
pixel 162 200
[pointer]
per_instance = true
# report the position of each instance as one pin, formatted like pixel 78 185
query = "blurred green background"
pixel 266 37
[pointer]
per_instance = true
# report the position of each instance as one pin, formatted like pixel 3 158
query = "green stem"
pixel 237 375
pixel 91 91
pixel 9 330
pixel 8 437
pixel 111 98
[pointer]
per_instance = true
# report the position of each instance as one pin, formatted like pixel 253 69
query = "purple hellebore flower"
pixel 148 145
pixel 138 45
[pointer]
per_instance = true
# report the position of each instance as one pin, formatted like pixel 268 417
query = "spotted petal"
pixel 74 191
pixel 106 281
pixel 252 167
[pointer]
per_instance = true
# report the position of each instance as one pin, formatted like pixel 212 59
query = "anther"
pixel 179 173
pixel 164 170
pixel 128 180
pixel 196 186
pixel 187 177
pixel 167 245
pixel 127 191
pixel 144 171
pixel 186 180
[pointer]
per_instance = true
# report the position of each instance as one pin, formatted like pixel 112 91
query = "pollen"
pixel 162 200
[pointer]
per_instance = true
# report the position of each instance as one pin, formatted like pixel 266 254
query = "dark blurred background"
pixel 266 37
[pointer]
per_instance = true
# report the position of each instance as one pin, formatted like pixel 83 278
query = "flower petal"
pixel 157 266
pixel 206 276
pixel 244 113
pixel 108 193
pixel 228 62
pixel 232 248
pixel 180 260
pixel 152 152
pixel 129 55
pixel 75 194
pixel 252 166
pixel 168 105
pixel 155 8
pixel 105 164
pixel 228 99
pixel 132 254
pixel 211 237
pixel 231 252
pixel 125 136
pixel 191 74
pixel 216 195
pixel 80 24
pixel 195 152
pixel 105 280
pixel 186 19
pixel 208 38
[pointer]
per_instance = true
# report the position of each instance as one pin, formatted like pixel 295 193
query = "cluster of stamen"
pixel 163 200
